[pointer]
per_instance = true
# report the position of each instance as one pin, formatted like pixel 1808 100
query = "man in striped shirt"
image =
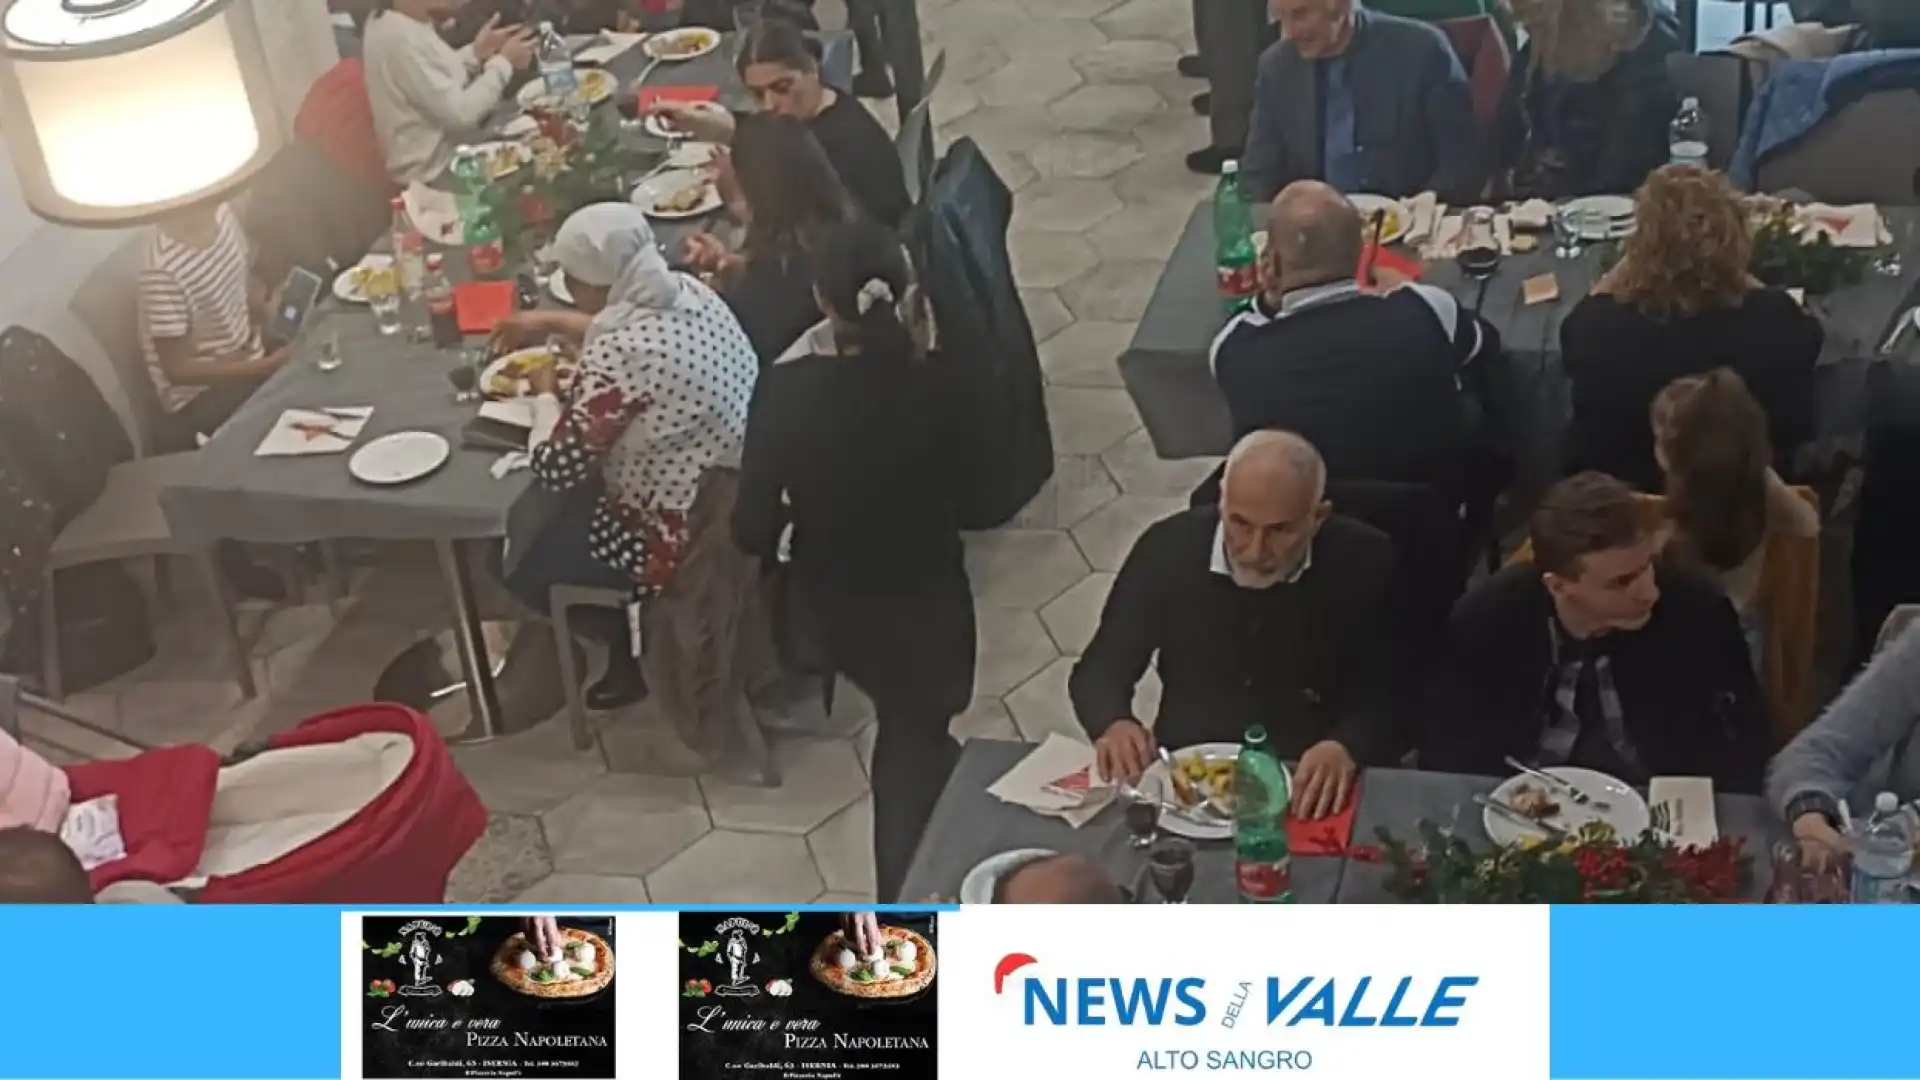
pixel 200 312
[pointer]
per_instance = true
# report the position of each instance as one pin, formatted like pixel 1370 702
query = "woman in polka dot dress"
pixel 658 403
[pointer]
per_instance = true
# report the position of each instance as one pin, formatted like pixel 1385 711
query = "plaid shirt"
pixel 1565 724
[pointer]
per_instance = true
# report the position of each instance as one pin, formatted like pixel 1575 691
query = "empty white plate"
pixel 398 458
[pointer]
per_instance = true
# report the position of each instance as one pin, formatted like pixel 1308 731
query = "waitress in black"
pixel 850 440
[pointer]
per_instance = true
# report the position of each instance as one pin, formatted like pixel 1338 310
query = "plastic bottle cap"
pixel 1229 167
pixel 1886 802
pixel 1690 103
pixel 436 260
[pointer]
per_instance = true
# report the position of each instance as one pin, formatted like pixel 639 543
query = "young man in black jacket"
pixel 1264 610
pixel 1597 656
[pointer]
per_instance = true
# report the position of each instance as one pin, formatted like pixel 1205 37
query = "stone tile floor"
pixel 1077 104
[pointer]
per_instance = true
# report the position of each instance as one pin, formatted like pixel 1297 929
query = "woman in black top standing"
pixel 851 441
pixel 788 195
pixel 781 65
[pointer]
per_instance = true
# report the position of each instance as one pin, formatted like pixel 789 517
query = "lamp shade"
pixel 117 111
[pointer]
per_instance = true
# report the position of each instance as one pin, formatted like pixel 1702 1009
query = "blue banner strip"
pixel 1734 992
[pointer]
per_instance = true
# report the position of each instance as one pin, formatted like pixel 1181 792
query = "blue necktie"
pixel 1342 151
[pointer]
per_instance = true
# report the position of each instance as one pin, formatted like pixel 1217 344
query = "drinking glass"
pixel 1143 820
pixel 383 296
pixel 330 357
pixel 1170 868
pixel 1789 874
pixel 1568 224
pixel 466 383
pixel 1477 230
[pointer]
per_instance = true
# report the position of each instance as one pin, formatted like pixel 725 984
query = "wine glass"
pixel 1479 253
pixel 1170 868
pixel 1142 819
pixel 466 383
pixel 1567 227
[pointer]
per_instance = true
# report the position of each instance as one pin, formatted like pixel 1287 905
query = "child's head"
pixel 38 868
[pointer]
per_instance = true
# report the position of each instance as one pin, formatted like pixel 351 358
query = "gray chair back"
pixel 1868 152
pixel 915 141
pixel 107 304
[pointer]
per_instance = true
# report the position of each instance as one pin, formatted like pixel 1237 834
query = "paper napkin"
pixel 435 213
pixel 1682 809
pixel 657 95
pixel 1533 215
pixel 1058 779
pixel 1540 289
pixel 1426 209
pixel 613 46
pixel 516 411
pixel 478 305
pixel 1856 226
pixel 1331 835
pixel 319 430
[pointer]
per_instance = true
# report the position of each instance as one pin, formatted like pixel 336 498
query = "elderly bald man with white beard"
pixel 1267 609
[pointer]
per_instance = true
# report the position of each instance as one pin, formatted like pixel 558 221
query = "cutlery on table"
pixel 1580 798
pixel 1194 814
pixel 1909 318
pixel 341 414
pixel 1552 832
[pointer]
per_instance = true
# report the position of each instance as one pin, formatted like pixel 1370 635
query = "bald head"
pixel 1313 235
pixel 1058 879
pixel 38 868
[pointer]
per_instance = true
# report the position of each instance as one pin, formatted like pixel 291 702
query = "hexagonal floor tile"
pixel 1148 20
pixel 1053 40
pixel 1069 9
pixel 1043 260
pixel 819 777
pixel 1041 707
pixel 1163 178
pixel 1115 291
pixel 1086 353
pixel 1022 568
pixel 586 890
pixel 1013 645
pixel 1139 470
pixel 1128 61
pixel 1084 155
pixel 1109 107
pixel 1003 131
pixel 533 771
pixel 1108 534
pixel 625 825
pixel 1079 486
pixel 1142 229
pixel 1070 206
pixel 843 848
pixel 506 861
pixel 1089 421
pixel 850 899
pixel 987 718
pixel 1025 83
pixel 738 868
pixel 1075 614
pixel 1045 313
pixel 863 746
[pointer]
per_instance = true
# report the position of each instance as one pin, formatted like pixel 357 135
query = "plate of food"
pixel 580 969
pixel 1602 217
pixel 596 86
pixel 676 194
pixel 1201 781
pixel 1601 800
pixel 659 127
pixel 1398 218
pixel 901 968
pixel 506 376
pixel 502 159
pixel 685 43
pixel 371 274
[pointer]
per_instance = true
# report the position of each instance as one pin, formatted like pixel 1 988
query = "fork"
pixel 1580 798
pixel 1552 832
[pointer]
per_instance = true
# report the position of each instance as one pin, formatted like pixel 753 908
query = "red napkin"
pixel 654 95
pixel 480 304
pixel 1375 257
pixel 1328 836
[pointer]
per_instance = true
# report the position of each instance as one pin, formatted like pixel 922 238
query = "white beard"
pixel 1248 579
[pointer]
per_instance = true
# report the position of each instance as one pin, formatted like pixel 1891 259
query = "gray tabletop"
pixel 230 494
pixel 970 826
pixel 1167 373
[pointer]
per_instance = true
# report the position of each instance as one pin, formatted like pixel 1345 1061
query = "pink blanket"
pixel 32 791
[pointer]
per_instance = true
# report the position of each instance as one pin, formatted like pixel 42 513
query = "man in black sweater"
pixel 1375 380
pixel 1263 610
pixel 1597 656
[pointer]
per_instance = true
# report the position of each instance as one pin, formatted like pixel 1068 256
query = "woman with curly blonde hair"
pixel 1587 106
pixel 1681 302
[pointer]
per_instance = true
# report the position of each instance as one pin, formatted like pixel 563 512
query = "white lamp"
pixel 116 111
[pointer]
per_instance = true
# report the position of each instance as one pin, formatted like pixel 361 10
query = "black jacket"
pixel 1692 704
pixel 1311 660
pixel 1559 138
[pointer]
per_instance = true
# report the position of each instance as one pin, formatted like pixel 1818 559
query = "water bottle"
pixel 486 252
pixel 1262 859
pixel 1687 135
pixel 556 64
pixel 1233 254
pixel 409 250
pixel 1883 855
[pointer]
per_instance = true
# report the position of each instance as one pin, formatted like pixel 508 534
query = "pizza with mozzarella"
pixel 904 967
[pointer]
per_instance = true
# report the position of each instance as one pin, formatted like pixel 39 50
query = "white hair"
pixel 1275 447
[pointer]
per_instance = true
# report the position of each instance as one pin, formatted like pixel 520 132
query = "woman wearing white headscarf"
pixel 657 410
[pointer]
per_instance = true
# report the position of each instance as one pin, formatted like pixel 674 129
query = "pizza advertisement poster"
pixel 469 996
pixel 787 997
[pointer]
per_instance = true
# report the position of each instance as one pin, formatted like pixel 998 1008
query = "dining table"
pixel 969 826
pixel 228 492
pixel 1167 370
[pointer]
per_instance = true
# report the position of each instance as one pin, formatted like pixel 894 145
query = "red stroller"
pixel 363 805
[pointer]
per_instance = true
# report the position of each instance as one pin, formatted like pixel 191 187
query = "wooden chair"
pixel 1789 602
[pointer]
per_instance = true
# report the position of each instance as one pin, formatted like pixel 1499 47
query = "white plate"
pixel 499 365
pixel 656 125
pixel 1398 222
pixel 1155 783
pixel 703 40
pixel 345 290
pixel 521 127
pixel 596 84
pixel 978 886
pixel 399 458
pixel 1607 217
pixel 1627 811
pixel 648 193
pixel 557 285
pixel 522 156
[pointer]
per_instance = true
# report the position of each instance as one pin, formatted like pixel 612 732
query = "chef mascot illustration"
pixel 420 955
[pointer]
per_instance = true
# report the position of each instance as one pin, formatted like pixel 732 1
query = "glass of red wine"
pixel 1170 868
pixel 1142 820
pixel 1479 255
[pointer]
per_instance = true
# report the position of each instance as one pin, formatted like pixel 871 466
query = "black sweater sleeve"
pixel 1739 709
pixel 1366 726
pixel 866 160
pixel 1103 682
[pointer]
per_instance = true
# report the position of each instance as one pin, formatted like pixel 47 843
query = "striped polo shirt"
pixel 198 293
